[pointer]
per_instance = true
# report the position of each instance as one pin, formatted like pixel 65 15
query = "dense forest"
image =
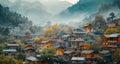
pixel 10 20
pixel 13 19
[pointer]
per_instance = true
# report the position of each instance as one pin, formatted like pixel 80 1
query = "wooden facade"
pixel 111 41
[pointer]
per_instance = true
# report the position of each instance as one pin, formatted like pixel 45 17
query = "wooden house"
pixel 88 54
pixel 78 33
pixel 78 60
pixel 86 46
pixel 13 46
pixel 10 52
pixel 32 60
pixel 118 22
pixel 47 44
pixel 76 43
pixel 29 50
pixel 112 40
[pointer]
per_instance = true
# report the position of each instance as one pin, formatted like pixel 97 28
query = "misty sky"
pixel 44 1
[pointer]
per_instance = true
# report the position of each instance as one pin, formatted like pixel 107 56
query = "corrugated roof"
pixel 78 58
pixel 87 51
pixel 79 32
pixel 32 58
pixel 104 51
pixel 12 44
pixel 9 50
pixel 113 35
pixel 78 40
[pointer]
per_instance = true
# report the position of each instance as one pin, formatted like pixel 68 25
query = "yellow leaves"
pixel 47 45
pixel 56 26
pixel 36 39
pixel 49 30
pixel 112 30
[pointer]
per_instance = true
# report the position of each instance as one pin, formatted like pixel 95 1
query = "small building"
pixel 86 46
pixel 32 60
pixel 10 52
pixel 78 33
pixel 118 22
pixel 13 46
pixel 78 60
pixel 76 43
pixel 112 40
pixel 29 50
pixel 46 44
pixel 88 54
pixel 111 24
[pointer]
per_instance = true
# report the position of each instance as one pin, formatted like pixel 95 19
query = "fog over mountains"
pixel 85 10
pixel 62 11
pixel 37 11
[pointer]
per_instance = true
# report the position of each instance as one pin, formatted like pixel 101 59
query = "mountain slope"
pixel 86 6
pixel 56 6
pixel 11 19
pixel 35 11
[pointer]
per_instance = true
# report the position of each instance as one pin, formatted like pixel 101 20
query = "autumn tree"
pixel 112 31
pixel 52 31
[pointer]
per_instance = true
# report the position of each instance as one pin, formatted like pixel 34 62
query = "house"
pixel 78 60
pixel 32 60
pixel 86 46
pixel 29 50
pixel 13 46
pixel 118 22
pixel 111 24
pixel 76 43
pixel 46 44
pixel 10 52
pixel 88 54
pixel 59 51
pixel 112 40
pixel 106 54
pixel 78 33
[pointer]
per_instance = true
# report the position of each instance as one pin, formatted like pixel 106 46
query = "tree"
pixel 112 15
pixel 6 60
pixel 47 54
pixel 36 39
pixel 116 55
pixel 112 31
pixel 99 22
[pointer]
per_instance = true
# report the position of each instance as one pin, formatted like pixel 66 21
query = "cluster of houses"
pixel 75 46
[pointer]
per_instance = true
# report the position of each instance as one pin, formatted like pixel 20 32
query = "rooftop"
pixel 78 58
pixel 87 51
pixel 112 35
pixel 32 58
pixel 9 50
pixel 78 40
pixel 12 44
pixel 104 51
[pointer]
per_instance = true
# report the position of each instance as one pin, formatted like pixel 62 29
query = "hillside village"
pixel 96 42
